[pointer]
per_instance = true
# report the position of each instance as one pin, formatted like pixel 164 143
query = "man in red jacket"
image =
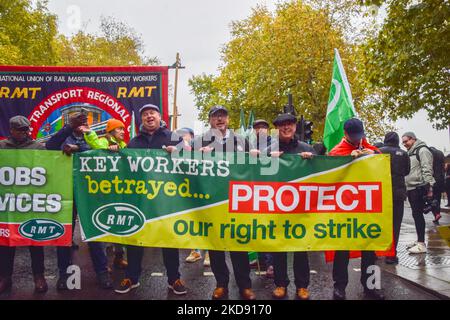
pixel 355 144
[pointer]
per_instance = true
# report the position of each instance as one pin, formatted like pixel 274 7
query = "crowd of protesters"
pixel 420 174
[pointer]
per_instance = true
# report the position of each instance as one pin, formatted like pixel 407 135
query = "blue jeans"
pixel 96 251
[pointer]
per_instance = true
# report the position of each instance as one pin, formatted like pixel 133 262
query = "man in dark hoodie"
pixel 70 139
pixel 400 166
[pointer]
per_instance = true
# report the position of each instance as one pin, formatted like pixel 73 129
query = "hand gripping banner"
pixel 151 198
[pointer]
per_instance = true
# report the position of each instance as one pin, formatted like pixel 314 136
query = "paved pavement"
pixel 430 271
pixel 415 278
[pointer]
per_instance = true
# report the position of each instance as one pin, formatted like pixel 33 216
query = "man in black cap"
pixel 400 166
pixel 19 128
pixel 152 136
pixel 220 138
pixel 260 138
pixel 286 124
pixel 355 144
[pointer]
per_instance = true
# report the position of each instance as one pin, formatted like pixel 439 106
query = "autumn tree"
pixel 407 61
pixel 273 54
pixel 27 33
pixel 116 45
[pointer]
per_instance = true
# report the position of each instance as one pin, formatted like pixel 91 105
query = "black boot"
pixel 339 294
pixel 375 294
pixel 5 284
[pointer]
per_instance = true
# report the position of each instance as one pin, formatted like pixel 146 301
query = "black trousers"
pixel 437 195
pixel 340 267
pixel 399 207
pixel 171 259
pixel 7 260
pixel 416 200
pixel 301 269
pixel 241 268
pixel 447 190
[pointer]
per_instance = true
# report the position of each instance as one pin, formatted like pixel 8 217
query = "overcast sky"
pixel 196 29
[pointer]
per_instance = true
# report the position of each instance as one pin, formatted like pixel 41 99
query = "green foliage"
pixel 116 45
pixel 273 54
pixel 29 36
pixel 408 63
pixel 27 33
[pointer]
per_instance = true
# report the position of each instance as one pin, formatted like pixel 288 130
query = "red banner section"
pixel 67 96
pixel 10 235
pixel 281 197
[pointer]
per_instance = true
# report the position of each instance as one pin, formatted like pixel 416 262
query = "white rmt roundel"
pixel 119 219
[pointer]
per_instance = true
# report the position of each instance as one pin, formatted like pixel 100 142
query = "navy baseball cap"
pixel 354 128
pixel 217 108
pixel 284 117
pixel 147 107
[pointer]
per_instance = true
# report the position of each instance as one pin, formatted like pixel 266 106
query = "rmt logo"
pixel 119 219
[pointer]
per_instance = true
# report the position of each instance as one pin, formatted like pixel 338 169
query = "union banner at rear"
pixel 194 200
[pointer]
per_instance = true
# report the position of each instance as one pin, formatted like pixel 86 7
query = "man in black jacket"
pixel 152 136
pixel 219 138
pixel 400 166
pixel 286 125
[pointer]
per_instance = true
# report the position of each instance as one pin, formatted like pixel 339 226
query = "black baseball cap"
pixel 284 117
pixel 217 108
pixel 354 128
pixel 148 106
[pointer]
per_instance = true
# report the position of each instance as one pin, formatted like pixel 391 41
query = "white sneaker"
pixel 206 262
pixel 193 256
pixel 411 244
pixel 418 248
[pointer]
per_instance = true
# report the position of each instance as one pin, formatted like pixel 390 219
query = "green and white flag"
pixel 132 126
pixel 340 105
pixel 242 128
pixel 251 119
pixel 252 257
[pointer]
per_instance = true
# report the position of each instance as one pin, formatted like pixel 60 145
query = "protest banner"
pixel 47 96
pixel 150 198
pixel 36 198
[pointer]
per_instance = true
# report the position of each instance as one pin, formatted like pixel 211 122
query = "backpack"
pixel 438 163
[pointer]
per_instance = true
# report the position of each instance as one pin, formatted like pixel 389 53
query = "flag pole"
pixel 175 108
